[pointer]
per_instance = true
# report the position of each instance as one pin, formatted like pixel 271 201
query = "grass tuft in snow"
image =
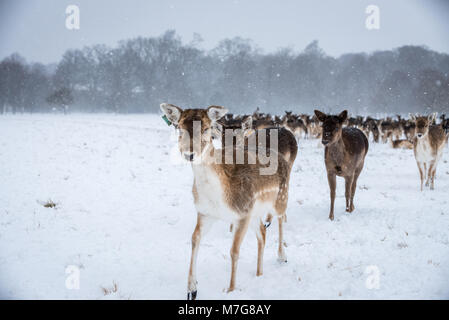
pixel 49 204
pixel 110 290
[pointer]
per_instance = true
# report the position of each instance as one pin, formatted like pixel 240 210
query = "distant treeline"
pixel 139 74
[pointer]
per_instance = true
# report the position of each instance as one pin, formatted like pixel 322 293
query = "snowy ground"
pixel 125 215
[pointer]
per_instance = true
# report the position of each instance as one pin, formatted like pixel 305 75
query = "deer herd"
pixel 242 163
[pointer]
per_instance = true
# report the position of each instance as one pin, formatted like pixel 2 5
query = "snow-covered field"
pixel 125 215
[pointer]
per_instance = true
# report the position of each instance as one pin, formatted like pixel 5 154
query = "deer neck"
pixel 424 141
pixel 336 151
pixel 207 164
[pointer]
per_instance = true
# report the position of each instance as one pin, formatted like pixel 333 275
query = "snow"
pixel 125 215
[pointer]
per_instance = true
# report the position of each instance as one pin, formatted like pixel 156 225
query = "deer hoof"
pixel 282 258
pixel 192 295
pixel 331 217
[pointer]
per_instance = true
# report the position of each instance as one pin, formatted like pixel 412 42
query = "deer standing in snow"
pixel 428 145
pixel 238 193
pixel 344 155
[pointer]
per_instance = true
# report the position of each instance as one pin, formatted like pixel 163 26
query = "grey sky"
pixel 36 28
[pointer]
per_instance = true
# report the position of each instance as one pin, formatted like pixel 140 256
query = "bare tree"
pixel 61 98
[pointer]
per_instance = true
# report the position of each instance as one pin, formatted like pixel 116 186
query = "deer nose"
pixel 419 135
pixel 189 156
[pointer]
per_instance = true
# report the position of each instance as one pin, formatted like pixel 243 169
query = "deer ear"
pixel 216 112
pixel 321 116
pixel 247 124
pixel 343 116
pixel 412 117
pixel 172 112
pixel 432 117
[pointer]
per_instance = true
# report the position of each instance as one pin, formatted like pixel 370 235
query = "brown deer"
pixel 428 147
pixel 402 144
pixel 344 155
pixel 295 124
pixel 238 193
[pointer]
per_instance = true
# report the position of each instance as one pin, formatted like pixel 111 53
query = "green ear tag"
pixel 166 120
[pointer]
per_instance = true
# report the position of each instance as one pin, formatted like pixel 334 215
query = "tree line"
pixel 138 74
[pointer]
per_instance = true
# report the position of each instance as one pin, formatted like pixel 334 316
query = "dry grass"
pixel 49 204
pixel 110 290
pixel 402 245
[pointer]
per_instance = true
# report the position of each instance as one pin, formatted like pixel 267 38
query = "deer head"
pixel 194 128
pixel 422 124
pixel 331 125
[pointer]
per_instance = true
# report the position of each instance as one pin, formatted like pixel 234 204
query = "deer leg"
pixel 240 231
pixel 421 173
pixel 426 176
pixel 203 223
pixel 281 253
pixel 354 187
pixel 332 179
pixel 432 185
pixel 348 192
pixel 260 234
pixel 432 170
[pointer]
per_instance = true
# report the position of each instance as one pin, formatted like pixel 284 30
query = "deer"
pixel 239 193
pixel 344 155
pixel 428 145
pixel 295 124
pixel 401 144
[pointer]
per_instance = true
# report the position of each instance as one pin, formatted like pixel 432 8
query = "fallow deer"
pixel 428 147
pixel 294 124
pixel 409 128
pixel 344 155
pixel 237 193
pixel 402 144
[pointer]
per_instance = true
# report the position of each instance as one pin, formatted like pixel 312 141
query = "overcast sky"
pixel 36 28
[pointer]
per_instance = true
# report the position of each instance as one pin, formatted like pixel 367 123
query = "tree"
pixel 13 75
pixel 61 98
pixel 138 74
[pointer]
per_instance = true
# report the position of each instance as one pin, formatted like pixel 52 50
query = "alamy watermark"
pixel 72 21
pixel 72 282
pixel 372 21
pixel 373 279
pixel 229 146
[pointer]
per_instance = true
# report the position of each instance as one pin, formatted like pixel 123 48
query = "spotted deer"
pixel 428 145
pixel 344 155
pixel 236 193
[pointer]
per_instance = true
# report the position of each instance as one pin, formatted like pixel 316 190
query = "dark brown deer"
pixel 344 155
